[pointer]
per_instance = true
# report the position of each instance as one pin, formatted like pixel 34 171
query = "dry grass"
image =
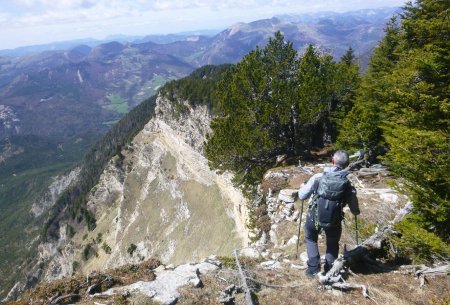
pixel 384 288
pixel 79 284
pixel 208 294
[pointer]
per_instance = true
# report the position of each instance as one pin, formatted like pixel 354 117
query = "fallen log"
pixel 440 270
pixel 248 294
pixel 377 240
pixel 334 279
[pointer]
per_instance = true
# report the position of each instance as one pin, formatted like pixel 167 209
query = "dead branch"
pixel 436 271
pixel 348 286
pixel 248 295
pixel 92 289
pixel 440 270
pixel 53 298
pixel 334 279
pixel 405 211
pixel 376 241
pixel 410 269
pixel 334 274
pixel 275 286
pixel 68 298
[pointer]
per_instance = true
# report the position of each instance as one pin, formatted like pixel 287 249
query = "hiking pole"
pixel 299 228
pixel 356 228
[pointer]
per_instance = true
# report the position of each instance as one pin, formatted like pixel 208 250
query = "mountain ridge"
pixel 89 75
pixel 115 190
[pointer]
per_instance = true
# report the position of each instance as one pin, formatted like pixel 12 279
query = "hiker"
pixel 326 213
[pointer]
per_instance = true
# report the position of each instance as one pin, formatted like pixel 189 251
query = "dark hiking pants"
pixel 333 235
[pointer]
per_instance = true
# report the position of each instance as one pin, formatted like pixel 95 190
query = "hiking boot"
pixel 311 274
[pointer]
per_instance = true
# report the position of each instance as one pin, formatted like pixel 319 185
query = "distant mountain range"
pixel 86 88
pixel 91 42
pixel 64 93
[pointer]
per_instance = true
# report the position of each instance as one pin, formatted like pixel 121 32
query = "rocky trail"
pixel 268 271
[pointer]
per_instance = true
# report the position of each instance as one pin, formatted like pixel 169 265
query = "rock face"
pixel 8 150
pixel 59 184
pixel 159 199
pixel 9 122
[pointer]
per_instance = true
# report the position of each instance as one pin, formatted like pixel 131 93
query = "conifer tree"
pixel 314 95
pixel 418 109
pixel 361 128
pixel 346 81
pixel 273 103
pixel 404 104
pixel 254 100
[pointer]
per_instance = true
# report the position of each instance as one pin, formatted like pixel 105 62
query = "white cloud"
pixel 33 19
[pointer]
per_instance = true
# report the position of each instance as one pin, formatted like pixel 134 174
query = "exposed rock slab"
pixel 164 288
pixel 288 195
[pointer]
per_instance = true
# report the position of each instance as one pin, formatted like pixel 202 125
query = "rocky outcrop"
pixel 164 288
pixel 15 292
pixel 8 150
pixel 159 199
pixel 9 122
pixel 59 184
pixel 376 198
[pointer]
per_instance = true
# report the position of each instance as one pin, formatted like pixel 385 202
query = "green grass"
pixel 158 81
pixel 118 103
pixel 152 86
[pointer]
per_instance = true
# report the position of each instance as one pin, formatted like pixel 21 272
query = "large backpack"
pixel 328 199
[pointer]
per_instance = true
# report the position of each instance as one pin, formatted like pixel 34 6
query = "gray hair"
pixel 341 158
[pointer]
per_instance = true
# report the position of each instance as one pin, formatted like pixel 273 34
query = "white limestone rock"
pixel 250 252
pixel 164 288
pixel 271 265
pixel 389 197
pixel 288 195
pixel 292 241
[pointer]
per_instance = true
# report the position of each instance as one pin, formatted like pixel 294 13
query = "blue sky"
pixel 28 22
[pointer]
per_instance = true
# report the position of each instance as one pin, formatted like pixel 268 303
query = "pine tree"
pixel 275 103
pixel 314 95
pixel 254 119
pixel 418 108
pixel 346 82
pixel 404 104
pixel 361 128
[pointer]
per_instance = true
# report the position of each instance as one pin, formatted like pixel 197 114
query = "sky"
pixel 31 22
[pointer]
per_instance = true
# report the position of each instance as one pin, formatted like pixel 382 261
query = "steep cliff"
pixel 157 198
